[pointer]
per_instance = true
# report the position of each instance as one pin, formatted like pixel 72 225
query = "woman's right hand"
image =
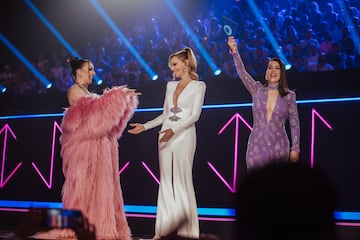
pixel 130 91
pixel 137 128
pixel 232 44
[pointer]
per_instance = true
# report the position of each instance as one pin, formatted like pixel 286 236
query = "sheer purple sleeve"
pixel 250 84
pixel 294 123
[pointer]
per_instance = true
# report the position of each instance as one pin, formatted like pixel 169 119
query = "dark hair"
pixel 283 86
pixel 76 63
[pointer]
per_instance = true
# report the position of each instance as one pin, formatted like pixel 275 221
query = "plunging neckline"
pixel 177 99
pixel 270 113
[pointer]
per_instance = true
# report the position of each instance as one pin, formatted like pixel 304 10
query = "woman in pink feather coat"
pixel 89 149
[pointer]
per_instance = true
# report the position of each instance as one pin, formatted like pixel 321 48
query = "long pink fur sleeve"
pixel 98 115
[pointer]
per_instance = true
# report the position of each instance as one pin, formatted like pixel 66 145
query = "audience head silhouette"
pixel 285 201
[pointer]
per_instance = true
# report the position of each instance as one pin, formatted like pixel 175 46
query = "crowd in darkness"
pixel 314 36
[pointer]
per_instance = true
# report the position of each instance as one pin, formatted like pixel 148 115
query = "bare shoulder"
pixel 74 94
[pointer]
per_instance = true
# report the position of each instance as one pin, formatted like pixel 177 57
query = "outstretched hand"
pixel 232 44
pixel 130 91
pixel 137 128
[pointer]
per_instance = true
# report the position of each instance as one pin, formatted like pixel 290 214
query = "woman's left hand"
pixel 168 133
pixel 294 156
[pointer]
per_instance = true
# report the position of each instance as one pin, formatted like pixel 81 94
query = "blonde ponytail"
pixel 187 55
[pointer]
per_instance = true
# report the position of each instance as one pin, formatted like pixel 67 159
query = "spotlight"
pixel 118 32
pixel 192 35
pixel 268 32
pixel 97 77
pixel 2 89
pixel 155 77
pixel 49 85
pixel 24 60
pixel 288 66
pixel 217 72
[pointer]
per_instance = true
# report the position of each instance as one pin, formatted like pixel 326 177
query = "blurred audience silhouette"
pixel 286 201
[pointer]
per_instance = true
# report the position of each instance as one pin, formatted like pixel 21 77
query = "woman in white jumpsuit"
pixel 176 205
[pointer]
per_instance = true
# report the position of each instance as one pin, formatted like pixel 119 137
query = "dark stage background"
pixel 328 102
pixel 334 150
pixel 323 98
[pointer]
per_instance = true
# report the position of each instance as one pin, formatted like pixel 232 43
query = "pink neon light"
pixel 7 129
pixel 235 117
pixel 151 173
pixel 14 210
pixel 348 224
pixel 124 167
pixel 217 219
pixel 49 184
pixel 221 177
pixel 313 113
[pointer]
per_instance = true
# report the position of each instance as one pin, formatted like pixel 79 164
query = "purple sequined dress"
pixel 268 140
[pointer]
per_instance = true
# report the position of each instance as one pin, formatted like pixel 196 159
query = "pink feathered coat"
pixel 89 149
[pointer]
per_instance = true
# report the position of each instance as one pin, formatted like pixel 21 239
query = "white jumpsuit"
pixel 176 204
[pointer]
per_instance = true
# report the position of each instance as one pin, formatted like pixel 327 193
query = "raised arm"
pixel 250 84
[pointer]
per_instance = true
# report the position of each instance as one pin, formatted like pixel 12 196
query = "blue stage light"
pixel 350 24
pixel 99 81
pixel 24 60
pixel 2 88
pixel 113 26
pixel 209 106
pixel 193 37
pixel 155 77
pixel 268 32
pixel 54 31
pixel 217 72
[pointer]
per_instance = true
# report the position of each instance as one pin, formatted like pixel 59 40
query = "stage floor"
pixel 142 228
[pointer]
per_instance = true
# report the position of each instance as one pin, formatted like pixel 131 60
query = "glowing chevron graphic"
pixel 124 167
pixel 313 114
pixel 49 184
pixel 151 173
pixel 6 129
pixel 236 117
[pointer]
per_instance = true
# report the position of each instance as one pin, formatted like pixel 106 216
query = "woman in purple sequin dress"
pixel 273 105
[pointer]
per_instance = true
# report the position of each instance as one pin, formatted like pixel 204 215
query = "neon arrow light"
pixel 236 117
pixel 6 129
pixel 151 173
pixel 313 114
pixel 49 184
pixel 124 167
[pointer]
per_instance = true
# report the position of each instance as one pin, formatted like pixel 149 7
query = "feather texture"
pixel 89 149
